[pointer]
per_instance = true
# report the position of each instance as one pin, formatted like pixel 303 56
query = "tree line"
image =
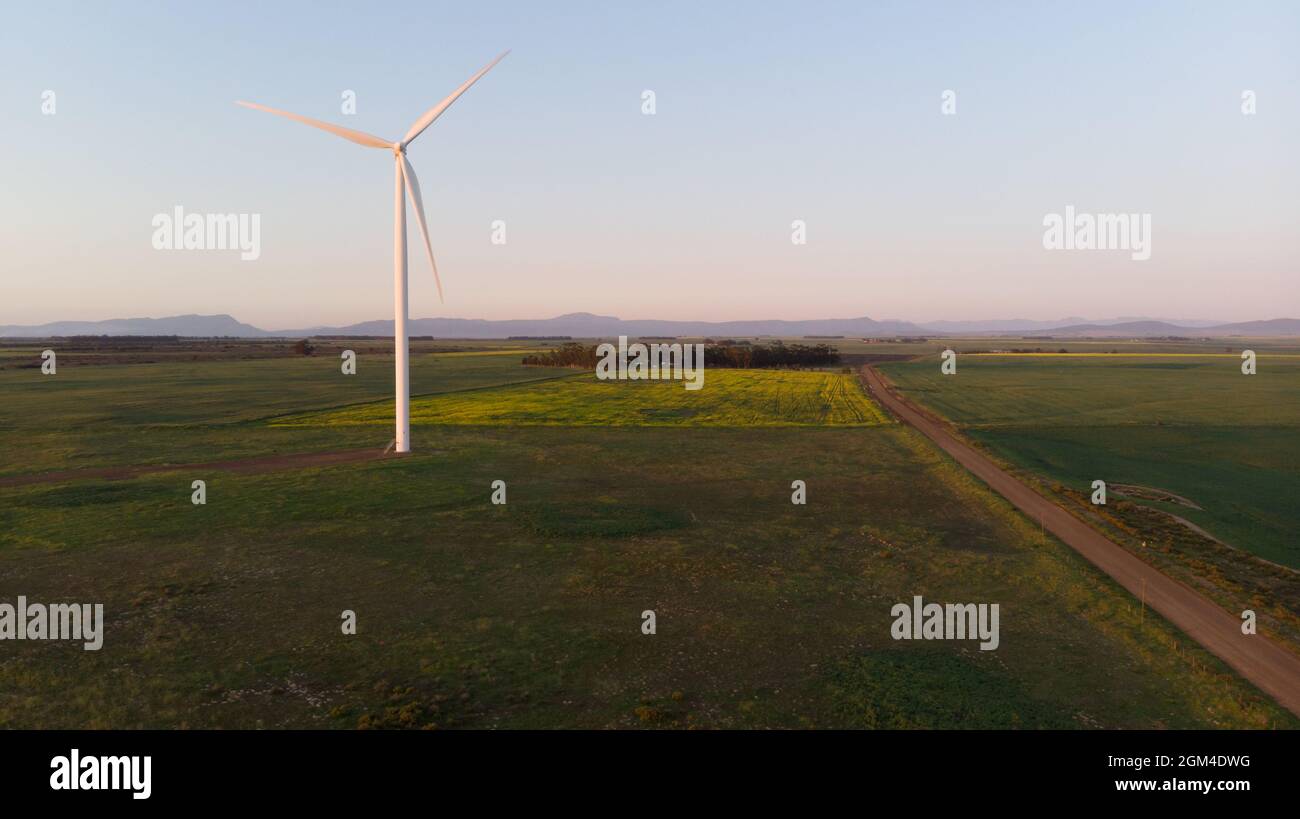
pixel 729 354
pixel 566 355
pixel 775 354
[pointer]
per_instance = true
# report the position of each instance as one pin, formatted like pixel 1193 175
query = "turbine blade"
pixel 436 111
pixel 413 188
pixel 359 137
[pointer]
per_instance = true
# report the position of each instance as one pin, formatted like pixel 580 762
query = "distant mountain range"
pixel 191 325
pixel 588 325
pixel 1151 328
pixel 1030 326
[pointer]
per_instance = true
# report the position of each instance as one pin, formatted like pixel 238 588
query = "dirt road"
pixel 1271 667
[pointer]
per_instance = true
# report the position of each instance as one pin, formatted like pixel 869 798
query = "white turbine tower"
pixel 405 176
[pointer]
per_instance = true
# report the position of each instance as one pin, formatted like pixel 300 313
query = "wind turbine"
pixel 405 176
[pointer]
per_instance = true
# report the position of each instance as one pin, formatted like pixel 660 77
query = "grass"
pixel 908 690
pixel 195 411
pixel 472 615
pixel 1193 426
pixel 729 398
pixel 1106 391
pixel 528 614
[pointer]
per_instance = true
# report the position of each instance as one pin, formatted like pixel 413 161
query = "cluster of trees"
pixel 566 355
pixel 775 354
pixel 743 355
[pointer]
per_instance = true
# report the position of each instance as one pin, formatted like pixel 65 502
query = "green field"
pixel 1191 425
pixel 729 398
pixel 528 614
pixel 186 412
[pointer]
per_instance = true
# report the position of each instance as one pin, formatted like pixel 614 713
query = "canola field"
pixel 728 398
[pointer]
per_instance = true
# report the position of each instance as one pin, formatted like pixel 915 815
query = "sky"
pixel 764 114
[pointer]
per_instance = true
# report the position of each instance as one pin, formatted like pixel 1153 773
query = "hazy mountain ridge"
pixel 1149 329
pixel 588 325
pixel 1033 326
pixel 188 325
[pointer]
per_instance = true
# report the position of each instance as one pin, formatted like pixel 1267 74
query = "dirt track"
pixel 1268 665
pixel 268 463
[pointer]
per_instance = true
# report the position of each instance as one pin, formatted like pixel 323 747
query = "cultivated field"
pixel 529 614
pixel 1192 425
pixel 205 410
pixel 730 398
pixel 1201 462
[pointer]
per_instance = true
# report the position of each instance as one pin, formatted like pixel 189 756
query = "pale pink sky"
pixel 831 115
